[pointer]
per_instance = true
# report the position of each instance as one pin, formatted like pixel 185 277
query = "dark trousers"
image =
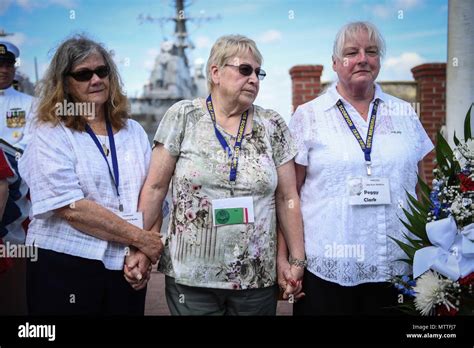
pixel 328 298
pixel 13 289
pixel 61 284
pixel 192 300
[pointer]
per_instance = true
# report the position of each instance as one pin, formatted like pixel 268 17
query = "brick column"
pixel 431 94
pixel 306 83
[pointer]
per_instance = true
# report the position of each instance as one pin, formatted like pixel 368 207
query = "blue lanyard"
pixel 238 142
pixel 115 174
pixel 367 146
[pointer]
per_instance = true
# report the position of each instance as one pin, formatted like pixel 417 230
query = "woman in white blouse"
pixel 358 151
pixel 85 166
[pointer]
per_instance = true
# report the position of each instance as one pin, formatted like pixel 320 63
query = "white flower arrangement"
pixel 440 247
pixel 434 290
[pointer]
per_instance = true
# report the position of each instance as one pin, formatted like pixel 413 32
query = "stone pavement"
pixel 156 302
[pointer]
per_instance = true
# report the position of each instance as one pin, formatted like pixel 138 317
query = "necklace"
pixel 103 140
pixel 104 145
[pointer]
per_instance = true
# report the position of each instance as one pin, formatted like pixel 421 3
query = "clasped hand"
pixel 137 267
pixel 290 280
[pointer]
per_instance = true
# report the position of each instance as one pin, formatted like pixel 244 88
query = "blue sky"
pixel 287 32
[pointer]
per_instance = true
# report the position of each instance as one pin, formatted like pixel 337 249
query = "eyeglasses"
pixel 86 75
pixel 247 70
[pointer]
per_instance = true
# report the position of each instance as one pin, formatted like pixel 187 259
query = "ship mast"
pixel 180 31
pixel 181 41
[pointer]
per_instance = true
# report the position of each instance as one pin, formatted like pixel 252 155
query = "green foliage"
pixel 467 125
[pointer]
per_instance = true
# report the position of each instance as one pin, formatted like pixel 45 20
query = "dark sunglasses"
pixel 86 75
pixel 247 70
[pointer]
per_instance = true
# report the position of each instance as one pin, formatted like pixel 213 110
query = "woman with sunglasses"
pixel 85 167
pixel 232 171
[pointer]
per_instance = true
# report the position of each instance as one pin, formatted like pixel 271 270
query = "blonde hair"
pixel 52 88
pixel 350 31
pixel 230 46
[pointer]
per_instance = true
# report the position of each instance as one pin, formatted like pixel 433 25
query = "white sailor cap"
pixel 8 51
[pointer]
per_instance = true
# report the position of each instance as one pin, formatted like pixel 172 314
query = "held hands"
pixel 137 269
pixel 137 266
pixel 290 279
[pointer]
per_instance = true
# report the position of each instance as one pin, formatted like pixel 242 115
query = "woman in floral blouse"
pixel 232 170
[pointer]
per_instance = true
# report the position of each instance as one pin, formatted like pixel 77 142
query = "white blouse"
pixel 62 166
pixel 350 244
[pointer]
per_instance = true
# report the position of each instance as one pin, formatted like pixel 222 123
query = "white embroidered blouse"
pixel 346 244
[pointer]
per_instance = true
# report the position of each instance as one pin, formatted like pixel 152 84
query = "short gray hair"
pixel 227 47
pixel 349 32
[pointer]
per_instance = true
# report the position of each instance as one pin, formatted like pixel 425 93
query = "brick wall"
pixel 431 94
pixel 306 83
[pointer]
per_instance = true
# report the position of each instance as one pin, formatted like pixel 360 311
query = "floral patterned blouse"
pixel 241 256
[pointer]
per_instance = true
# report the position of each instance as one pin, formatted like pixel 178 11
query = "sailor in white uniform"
pixel 15 107
pixel 16 111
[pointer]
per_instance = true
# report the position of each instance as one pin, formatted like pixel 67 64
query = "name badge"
pixel 369 191
pixel 133 218
pixel 232 211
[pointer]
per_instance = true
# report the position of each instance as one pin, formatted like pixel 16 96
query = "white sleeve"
pixel 48 167
pixel 423 143
pixel 146 147
pixel 299 125
pixel 140 134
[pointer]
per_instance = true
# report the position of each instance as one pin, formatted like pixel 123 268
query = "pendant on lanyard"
pixel 234 155
pixel 369 167
pixel 115 174
pixel 367 146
